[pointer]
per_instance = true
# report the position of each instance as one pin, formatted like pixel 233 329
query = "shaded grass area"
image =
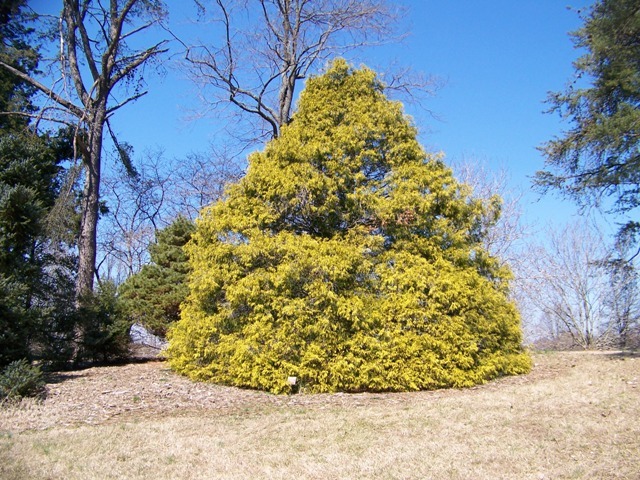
pixel 574 417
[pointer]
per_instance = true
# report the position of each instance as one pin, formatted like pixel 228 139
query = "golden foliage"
pixel 348 258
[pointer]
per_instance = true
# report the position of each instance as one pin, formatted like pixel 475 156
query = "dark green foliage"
pixel 104 329
pixel 598 159
pixel 15 49
pixel 21 379
pixel 153 296
pixel 31 271
pixel 14 326
pixel 54 340
pixel 29 170
pixel 36 266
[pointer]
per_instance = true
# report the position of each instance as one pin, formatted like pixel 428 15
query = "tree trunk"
pixel 286 96
pixel 87 243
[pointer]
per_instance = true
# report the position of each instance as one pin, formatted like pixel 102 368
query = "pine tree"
pixel 15 50
pixel 346 257
pixel 32 280
pixel 597 160
pixel 152 297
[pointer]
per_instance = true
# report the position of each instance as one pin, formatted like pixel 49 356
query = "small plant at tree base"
pixel 104 327
pixel 348 258
pixel 21 379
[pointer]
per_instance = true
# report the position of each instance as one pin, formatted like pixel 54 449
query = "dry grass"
pixel 575 416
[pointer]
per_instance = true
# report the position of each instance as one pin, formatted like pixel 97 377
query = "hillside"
pixel 574 416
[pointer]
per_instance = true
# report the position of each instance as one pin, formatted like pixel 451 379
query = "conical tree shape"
pixel 152 297
pixel 348 258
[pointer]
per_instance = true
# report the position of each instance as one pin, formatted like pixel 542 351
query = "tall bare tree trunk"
pixel 87 243
pixel 95 58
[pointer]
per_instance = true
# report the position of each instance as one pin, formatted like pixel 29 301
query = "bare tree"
pixel 95 58
pixel 137 207
pixel 503 226
pixel 161 190
pixel 267 47
pixel 200 179
pixel 623 301
pixel 567 284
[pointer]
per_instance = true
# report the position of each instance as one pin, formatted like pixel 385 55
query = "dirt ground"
pixel 147 388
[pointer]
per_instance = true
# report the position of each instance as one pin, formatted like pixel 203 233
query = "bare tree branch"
pixel 91 38
pixel 133 62
pixel 75 110
pixel 258 65
pixel 133 98
pixel 504 230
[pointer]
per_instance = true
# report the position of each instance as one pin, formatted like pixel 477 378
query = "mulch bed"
pixel 147 387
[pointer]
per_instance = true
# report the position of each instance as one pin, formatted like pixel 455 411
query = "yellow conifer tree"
pixel 348 258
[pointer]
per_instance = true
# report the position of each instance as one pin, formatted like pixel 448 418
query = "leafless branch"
pixel 258 65
pixel 75 110
pixel 133 62
pixel 133 98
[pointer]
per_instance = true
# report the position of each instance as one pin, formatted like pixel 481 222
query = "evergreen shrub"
pixel 346 257
pixel 104 327
pixel 152 297
pixel 21 379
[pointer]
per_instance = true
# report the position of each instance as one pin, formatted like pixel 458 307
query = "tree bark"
pixel 87 242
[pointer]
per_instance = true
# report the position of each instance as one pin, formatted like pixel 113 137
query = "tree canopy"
pixel 29 274
pixel 348 258
pixel 32 278
pixel 16 49
pixel 598 158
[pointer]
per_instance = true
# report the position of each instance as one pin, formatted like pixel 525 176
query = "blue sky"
pixel 499 59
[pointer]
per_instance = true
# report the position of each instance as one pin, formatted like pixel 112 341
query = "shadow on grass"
pixel 59 377
pixel 622 354
pixel 69 372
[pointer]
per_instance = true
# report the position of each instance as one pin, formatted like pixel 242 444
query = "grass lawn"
pixel 576 416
